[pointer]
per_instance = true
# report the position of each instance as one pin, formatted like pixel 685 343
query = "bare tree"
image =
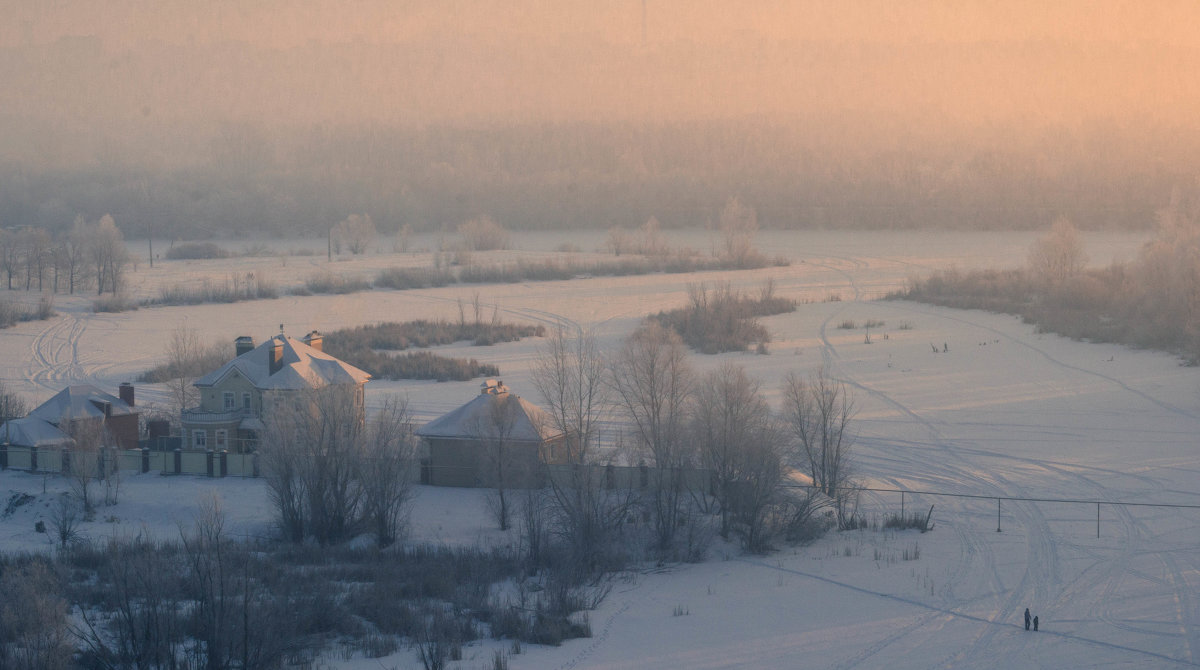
pixel 739 224
pixel 483 233
pixel 1058 255
pixel 818 410
pixel 569 373
pixel 73 253
pixel 653 383
pixel 35 255
pixel 386 469
pixel 330 473
pixel 183 349
pixel 357 232
pixel 107 254
pixel 283 468
pixel 316 437
pixel 64 519
pixel 146 629
pixel 33 619
pixel 730 424
pixel 653 242
pixel 10 255
pixel 90 438
pixel 12 406
pixel 503 466
pixel 233 617
pixel 617 241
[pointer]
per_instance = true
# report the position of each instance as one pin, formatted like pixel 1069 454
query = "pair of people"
pixel 1035 620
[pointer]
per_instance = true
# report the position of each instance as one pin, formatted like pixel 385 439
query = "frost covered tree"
pixel 653 384
pixel 1058 255
pixel 569 373
pixel 330 472
pixel 818 409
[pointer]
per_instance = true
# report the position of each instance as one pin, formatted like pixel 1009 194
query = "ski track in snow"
pixel 1041 580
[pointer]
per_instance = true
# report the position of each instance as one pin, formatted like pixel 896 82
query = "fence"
pixel 174 462
pixel 1001 498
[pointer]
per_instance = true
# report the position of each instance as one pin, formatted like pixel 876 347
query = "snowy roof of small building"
pixel 492 415
pixel 301 367
pixel 32 432
pixel 78 402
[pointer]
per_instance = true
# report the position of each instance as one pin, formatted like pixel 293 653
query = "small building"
pixel 496 439
pixel 54 422
pixel 236 397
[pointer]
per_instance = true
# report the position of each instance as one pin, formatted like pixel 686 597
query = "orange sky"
pixel 1023 61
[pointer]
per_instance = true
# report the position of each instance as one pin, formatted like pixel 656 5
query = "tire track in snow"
pixel 1173 409
pixel 54 352
pixel 1000 626
pixel 1041 552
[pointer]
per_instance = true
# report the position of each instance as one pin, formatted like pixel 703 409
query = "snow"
pixel 1003 411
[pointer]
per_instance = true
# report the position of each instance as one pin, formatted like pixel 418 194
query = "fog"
pixel 218 117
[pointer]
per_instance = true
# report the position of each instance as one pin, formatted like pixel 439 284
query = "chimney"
pixel 313 340
pixel 243 344
pixel 125 392
pixel 275 355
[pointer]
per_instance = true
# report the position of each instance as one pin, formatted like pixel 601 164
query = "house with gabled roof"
pixel 52 423
pixel 498 438
pixel 235 397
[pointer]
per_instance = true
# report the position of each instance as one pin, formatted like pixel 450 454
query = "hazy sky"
pixel 423 61
pixel 288 23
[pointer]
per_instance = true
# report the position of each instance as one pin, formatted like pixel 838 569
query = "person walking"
pixel 1035 624
pixel 1026 618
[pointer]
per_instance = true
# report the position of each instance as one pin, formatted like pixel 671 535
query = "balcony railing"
pixel 197 415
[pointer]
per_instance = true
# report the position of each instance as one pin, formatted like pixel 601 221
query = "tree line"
pixel 86 256
pixel 576 175
pixel 1152 301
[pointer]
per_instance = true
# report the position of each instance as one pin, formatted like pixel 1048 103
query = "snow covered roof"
pixel 300 367
pixel 78 402
pixel 32 432
pixel 493 414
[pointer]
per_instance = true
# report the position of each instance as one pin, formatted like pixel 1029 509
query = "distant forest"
pixel 256 181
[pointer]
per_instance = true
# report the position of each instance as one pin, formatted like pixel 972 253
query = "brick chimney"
pixel 313 340
pixel 275 355
pixel 125 393
pixel 243 344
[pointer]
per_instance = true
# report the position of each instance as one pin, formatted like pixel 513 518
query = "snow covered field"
pixel 999 411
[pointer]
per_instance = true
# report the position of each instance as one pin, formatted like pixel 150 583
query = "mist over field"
pixel 227 118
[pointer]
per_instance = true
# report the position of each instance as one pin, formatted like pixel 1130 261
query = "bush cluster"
pixel 423 333
pixel 722 320
pixel 12 312
pixel 416 365
pixel 1119 303
pixel 234 288
pixel 207 601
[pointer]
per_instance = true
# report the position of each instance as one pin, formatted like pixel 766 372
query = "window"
pixel 246 401
pixel 199 438
pixel 221 439
pixel 227 400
